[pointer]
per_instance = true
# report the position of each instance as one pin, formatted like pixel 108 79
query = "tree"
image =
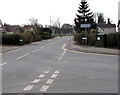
pixel 37 27
pixel 101 18
pixel 84 16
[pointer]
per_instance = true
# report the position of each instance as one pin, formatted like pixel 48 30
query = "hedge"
pixel 16 39
pixel 91 39
pixel 11 39
pixel 113 40
pixel 47 36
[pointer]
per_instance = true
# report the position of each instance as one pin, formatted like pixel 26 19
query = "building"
pixel 106 28
pixel 119 16
pixel 12 29
pixel 2 29
pixel 28 28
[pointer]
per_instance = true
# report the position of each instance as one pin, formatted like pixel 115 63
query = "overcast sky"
pixel 20 11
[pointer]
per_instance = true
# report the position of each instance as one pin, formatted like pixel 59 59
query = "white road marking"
pixel 36 81
pixel 22 56
pixel 46 45
pixel 57 72
pixel 3 64
pixel 44 88
pixel 41 76
pixel 54 76
pixel 35 50
pixel 60 58
pixel 46 72
pixel 29 87
pixel 50 81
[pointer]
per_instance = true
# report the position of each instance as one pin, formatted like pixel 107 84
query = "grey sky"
pixel 19 11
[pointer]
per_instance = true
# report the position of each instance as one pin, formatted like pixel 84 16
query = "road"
pixel 46 67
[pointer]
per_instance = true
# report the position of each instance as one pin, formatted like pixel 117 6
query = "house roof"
pixel 102 25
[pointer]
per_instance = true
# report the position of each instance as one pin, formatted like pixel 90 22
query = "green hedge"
pixel 113 40
pixel 11 39
pixel 26 38
pixel 47 36
pixel 90 41
pixel 16 39
pixel 38 38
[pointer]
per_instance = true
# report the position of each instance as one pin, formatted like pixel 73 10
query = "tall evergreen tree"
pixel 84 16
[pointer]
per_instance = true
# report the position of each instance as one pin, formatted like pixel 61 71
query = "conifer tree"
pixel 84 17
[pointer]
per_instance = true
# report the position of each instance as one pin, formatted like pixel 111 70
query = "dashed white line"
pixel 22 56
pixel 35 50
pixel 41 76
pixel 3 64
pixel 46 72
pixel 29 87
pixel 50 81
pixel 57 72
pixel 36 81
pixel 44 88
pixel 60 58
pixel 54 76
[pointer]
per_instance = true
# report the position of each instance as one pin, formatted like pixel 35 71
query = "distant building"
pixel 28 28
pixel 12 29
pixel 2 29
pixel 106 28
pixel 66 26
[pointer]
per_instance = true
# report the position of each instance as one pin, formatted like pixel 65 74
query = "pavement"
pixel 70 45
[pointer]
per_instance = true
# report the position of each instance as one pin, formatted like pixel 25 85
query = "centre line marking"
pixel 36 81
pixel 3 64
pixel 46 72
pixel 44 88
pixel 54 76
pixel 60 58
pixel 35 50
pixel 42 75
pixel 29 87
pixel 57 72
pixel 22 56
pixel 50 81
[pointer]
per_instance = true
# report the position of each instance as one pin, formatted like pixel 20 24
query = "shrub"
pixel 11 39
pixel 113 40
pixel 26 38
pixel 91 39
pixel 38 38
pixel 46 36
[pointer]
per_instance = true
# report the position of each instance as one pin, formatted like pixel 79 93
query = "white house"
pixel 106 28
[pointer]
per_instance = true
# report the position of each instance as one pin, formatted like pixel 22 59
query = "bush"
pixel 78 38
pixel 38 38
pixel 47 36
pixel 26 38
pixel 11 39
pixel 91 39
pixel 113 40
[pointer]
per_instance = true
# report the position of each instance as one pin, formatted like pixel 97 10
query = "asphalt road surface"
pixel 46 67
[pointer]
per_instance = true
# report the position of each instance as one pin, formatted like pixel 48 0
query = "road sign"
pixel 85 25
pixel 84 38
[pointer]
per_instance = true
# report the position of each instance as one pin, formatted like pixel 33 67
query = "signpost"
pixel 85 26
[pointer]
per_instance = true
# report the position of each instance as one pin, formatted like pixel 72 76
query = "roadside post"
pixel 86 26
